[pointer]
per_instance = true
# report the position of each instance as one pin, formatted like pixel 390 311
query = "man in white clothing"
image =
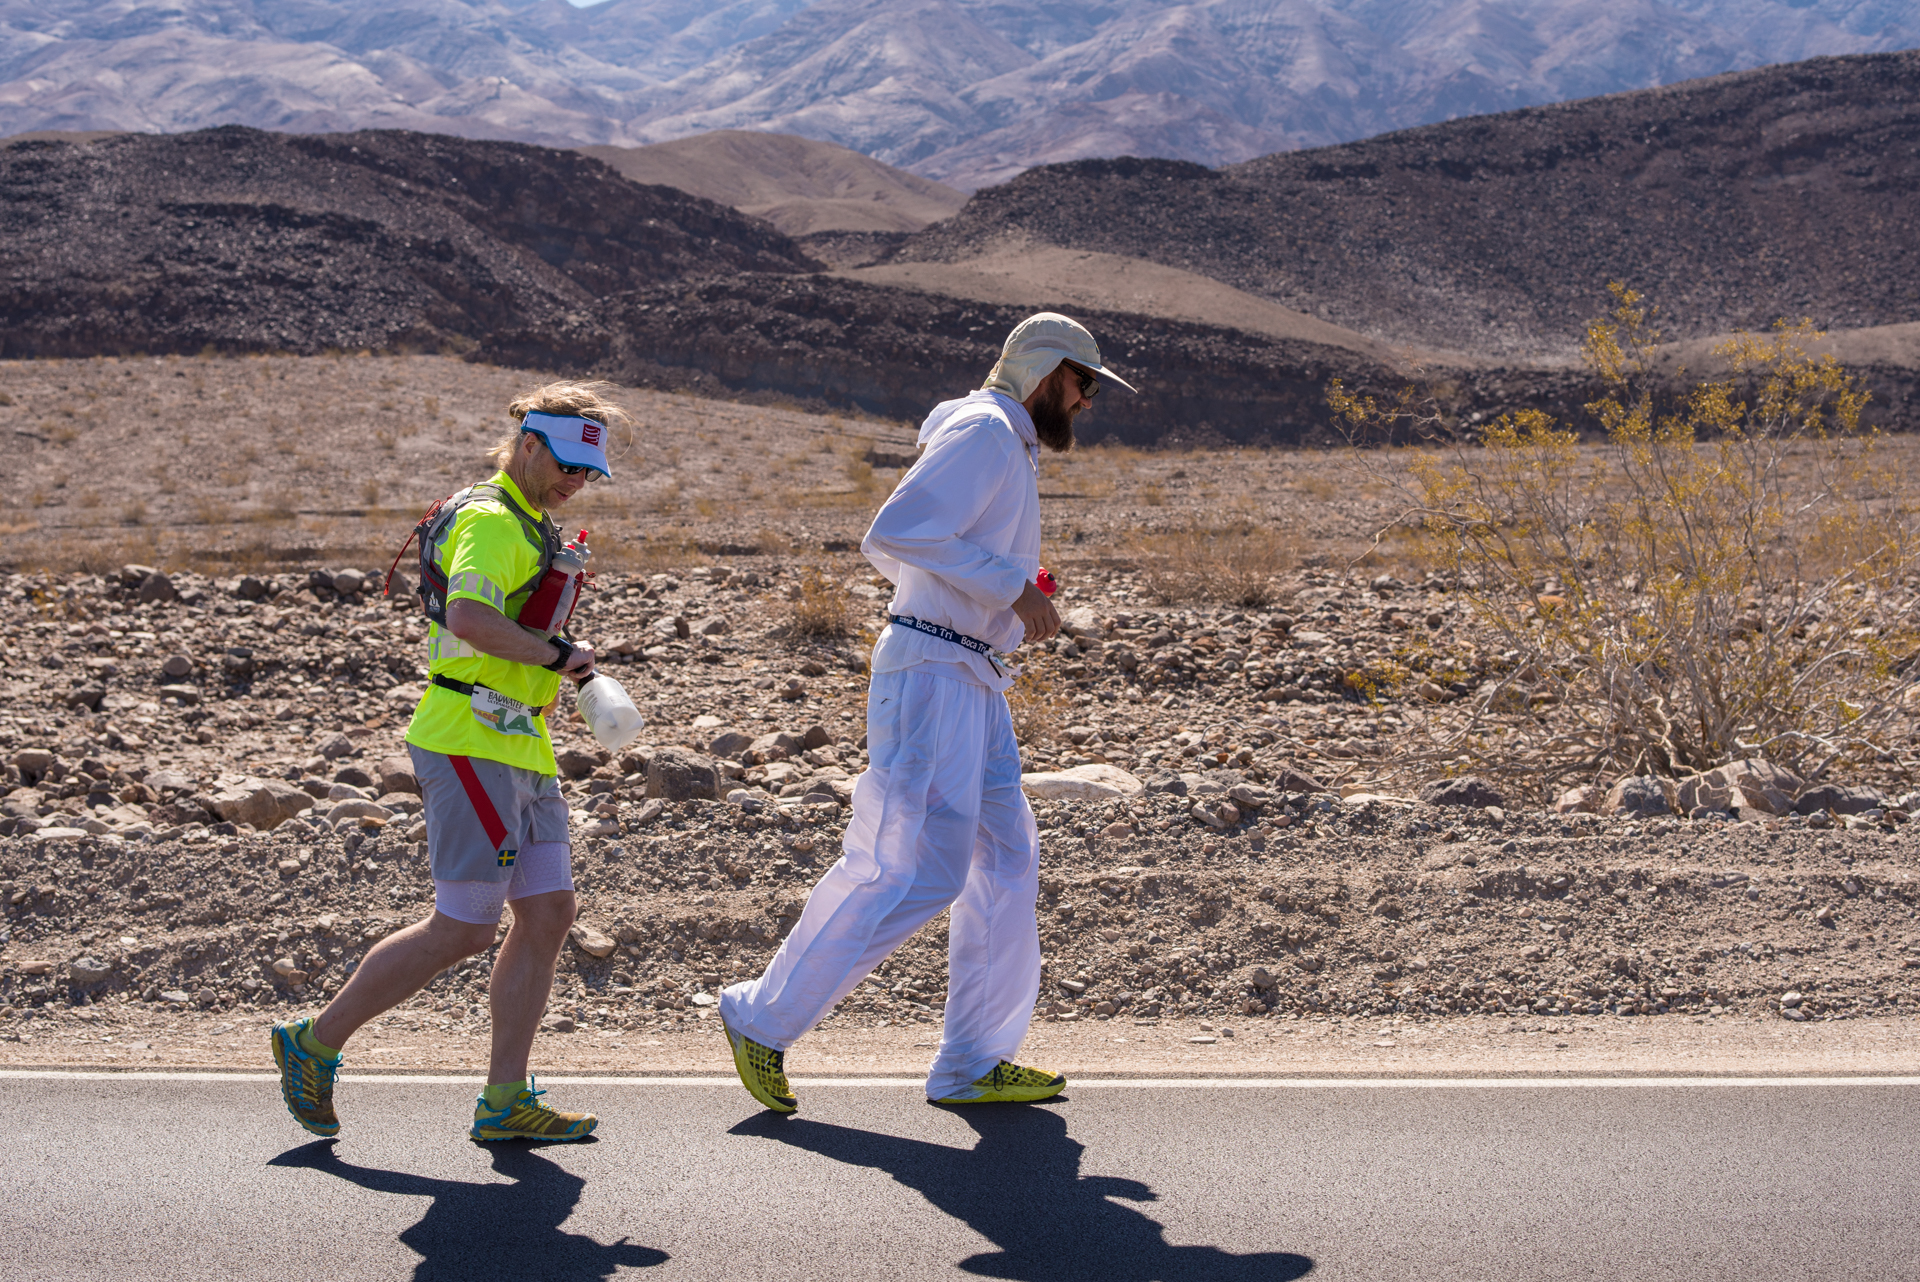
pixel 939 820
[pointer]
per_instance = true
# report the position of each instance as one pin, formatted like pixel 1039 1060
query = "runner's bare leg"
pixel 523 978
pixel 398 967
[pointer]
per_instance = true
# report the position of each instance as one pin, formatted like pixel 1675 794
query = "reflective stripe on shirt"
pixel 479 585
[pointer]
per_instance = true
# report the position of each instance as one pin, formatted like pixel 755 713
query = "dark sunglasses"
pixel 1089 385
pixel 566 469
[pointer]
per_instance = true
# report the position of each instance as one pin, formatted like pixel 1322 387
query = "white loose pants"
pixel 938 820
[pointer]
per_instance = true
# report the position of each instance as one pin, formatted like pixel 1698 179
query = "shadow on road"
pixel 490 1230
pixel 1021 1187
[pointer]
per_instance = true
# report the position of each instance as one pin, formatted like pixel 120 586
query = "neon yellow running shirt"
pixel 488 557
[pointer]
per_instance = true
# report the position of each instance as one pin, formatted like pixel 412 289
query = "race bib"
pixel 499 713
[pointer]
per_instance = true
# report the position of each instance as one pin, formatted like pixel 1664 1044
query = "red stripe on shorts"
pixel 482 803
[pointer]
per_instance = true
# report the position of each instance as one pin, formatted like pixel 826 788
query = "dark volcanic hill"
pixel 1789 191
pixel 251 241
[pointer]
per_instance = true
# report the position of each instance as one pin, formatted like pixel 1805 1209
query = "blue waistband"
pixel 974 644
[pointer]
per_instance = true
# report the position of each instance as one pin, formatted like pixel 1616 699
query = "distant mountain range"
pixel 967 92
pixel 1476 248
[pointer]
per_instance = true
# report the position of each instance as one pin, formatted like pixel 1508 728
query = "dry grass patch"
pixel 821 606
pixel 1237 564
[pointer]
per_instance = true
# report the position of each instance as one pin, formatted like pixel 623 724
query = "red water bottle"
pixel 551 604
pixel 1045 583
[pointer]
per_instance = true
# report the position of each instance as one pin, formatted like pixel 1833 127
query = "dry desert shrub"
pixel 1039 710
pixel 821 606
pixel 1236 564
pixel 1729 575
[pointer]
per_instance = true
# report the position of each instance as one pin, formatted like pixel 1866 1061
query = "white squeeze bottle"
pixel 608 710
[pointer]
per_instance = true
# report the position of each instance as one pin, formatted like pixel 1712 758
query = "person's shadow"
pixel 1021 1188
pixel 491 1230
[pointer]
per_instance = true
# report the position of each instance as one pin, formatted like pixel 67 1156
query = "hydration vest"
pixel 433 530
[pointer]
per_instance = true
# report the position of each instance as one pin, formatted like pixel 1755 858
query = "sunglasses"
pixel 566 469
pixel 1089 385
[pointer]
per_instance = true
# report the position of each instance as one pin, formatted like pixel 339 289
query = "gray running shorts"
pixel 481 814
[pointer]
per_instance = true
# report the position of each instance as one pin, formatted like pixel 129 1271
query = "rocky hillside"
pixel 969 92
pixel 1791 191
pixel 834 342
pixel 799 185
pixel 249 241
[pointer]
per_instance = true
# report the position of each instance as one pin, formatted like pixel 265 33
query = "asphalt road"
pixel 135 1179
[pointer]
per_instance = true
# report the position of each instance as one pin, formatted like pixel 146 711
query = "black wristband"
pixel 566 652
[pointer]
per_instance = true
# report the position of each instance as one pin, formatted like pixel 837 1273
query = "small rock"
pixel 1117 831
pixel 1789 1000
pixel 335 747
pixel 712 626
pixel 1838 800
pixel 1261 977
pixel 775 747
pixel 396 775
pixel 176 666
pixel 1203 1040
pixel 353 776
pixel 1467 790
pixel 175 997
pixel 1291 780
pixel 264 803
pixel 88 970
pixel 1584 800
pixel 285 966
pixel 1083 621
pixel 33 764
pixel 1639 797
pixel 357 810
pixel 674 774
pixel 1248 796
pixel 730 743
pixel 36 968
pixel 185 696
pixel 558 1024
pixel 590 941
pixel 794 690
pixel 1096 782
pixel 576 762
pixel 347 582
pixel 156 587
pixel 1215 813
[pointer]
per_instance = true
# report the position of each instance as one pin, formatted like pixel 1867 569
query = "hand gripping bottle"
pixel 608 710
pixel 1044 581
pixel 551 604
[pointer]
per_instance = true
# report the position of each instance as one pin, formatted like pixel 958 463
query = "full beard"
pixel 1053 424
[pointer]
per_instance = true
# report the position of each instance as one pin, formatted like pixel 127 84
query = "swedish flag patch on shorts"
pixel 506 858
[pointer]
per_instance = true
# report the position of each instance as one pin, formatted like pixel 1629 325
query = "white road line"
pixel 1083 1083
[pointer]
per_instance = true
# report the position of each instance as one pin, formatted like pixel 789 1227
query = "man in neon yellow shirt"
pixel 496 823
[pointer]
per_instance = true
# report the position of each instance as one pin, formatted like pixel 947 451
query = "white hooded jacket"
pixel 960 535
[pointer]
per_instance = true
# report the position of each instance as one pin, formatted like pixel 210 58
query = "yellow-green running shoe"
pixel 306 1080
pixel 1009 1083
pixel 763 1071
pixel 526 1118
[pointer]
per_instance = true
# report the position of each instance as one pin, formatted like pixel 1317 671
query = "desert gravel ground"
pixel 211 817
